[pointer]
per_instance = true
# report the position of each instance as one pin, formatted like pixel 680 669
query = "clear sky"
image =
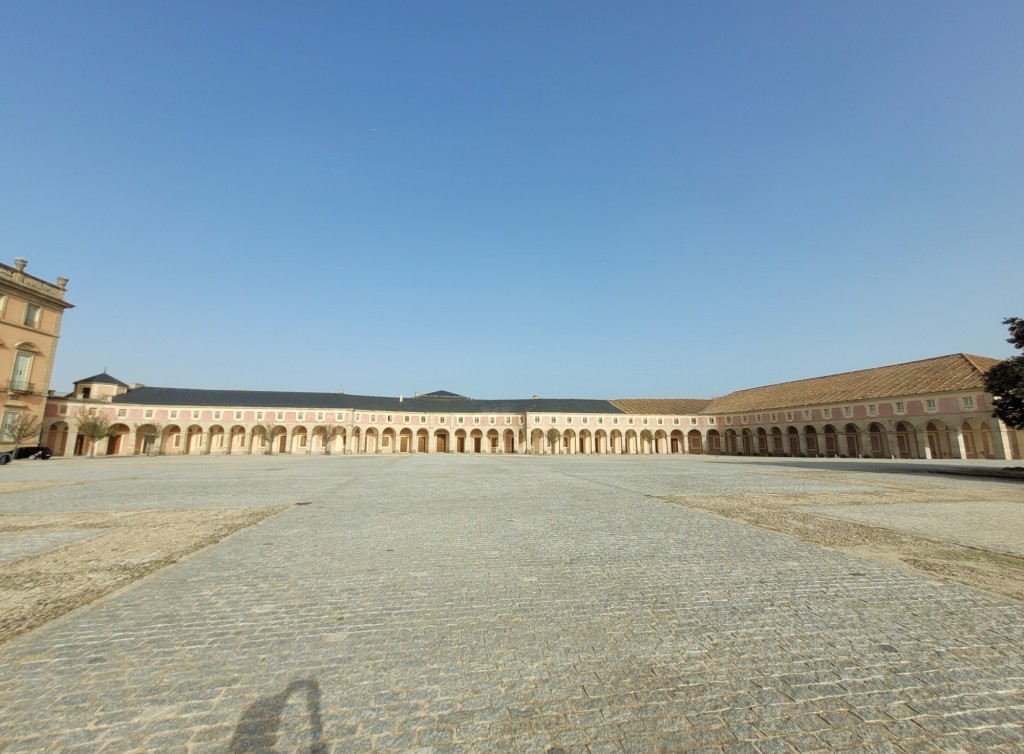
pixel 573 199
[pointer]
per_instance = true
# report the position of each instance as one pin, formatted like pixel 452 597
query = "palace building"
pixel 934 408
pixel 31 311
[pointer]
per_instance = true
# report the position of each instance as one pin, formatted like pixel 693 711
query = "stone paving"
pixel 14 545
pixel 443 604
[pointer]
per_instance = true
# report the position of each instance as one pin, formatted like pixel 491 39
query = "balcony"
pixel 20 386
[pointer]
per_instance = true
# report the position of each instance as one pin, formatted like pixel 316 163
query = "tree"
pixel 23 427
pixel 553 436
pixel 93 429
pixel 150 433
pixel 648 438
pixel 330 431
pixel 1005 381
pixel 270 431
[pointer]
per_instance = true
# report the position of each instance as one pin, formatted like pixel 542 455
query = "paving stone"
pixel 449 604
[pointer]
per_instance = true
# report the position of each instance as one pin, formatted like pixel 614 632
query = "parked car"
pixel 32 451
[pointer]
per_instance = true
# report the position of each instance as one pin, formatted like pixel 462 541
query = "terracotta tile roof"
pixel 941 374
pixel 661 405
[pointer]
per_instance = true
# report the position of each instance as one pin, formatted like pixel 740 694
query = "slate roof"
pixel 175 396
pixel 103 378
pixel 661 405
pixel 941 374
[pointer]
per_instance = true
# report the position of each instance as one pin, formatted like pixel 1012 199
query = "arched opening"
pixel 236 439
pixel 831 441
pixel 554 438
pixel 852 432
pixel 171 440
pixel 762 441
pixel 793 436
pixel 193 439
pixel 586 445
pixel 57 438
pixel 748 442
pixel 300 441
pixel 460 441
pixel 441 441
pixel 387 441
pixel 476 439
pixel 422 441
pixel 537 441
pixel 714 442
pixel 601 442
pixel 615 438
pixel 405 441
pixel 811 438
pixel 371 440
pixel 985 445
pixel 778 448
pixel 493 439
pixel 217 442
pixel 510 441
pixel 906 441
pixel 676 441
pixel 879 442
pixel 696 444
pixel 117 443
pixel 632 442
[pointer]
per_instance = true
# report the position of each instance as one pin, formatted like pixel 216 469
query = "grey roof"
pixel 104 379
pixel 176 396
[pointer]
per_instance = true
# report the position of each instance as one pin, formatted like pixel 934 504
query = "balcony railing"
pixel 20 386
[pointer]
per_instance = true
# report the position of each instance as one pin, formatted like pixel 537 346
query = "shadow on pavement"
pixel 257 731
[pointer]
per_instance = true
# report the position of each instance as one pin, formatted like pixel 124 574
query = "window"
pixel 122 412
pixel 807 414
pixel 3 304
pixel 149 413
pixel 280 416
pixel 900 407
pixel 508 419
pixel 259 416
pixel 554 419
pixel 391 418
pixel 693 420
pixel 645 421
pixel 968 402
pixel 33 314
pixel 675 421
pixel 441 420
pixel 5 430
pixel 407 419
pixel 711 420
pixel 629 420
pixel 536 420
pixel 216 414
pixel 775 418
pixel 238 416
pixel 64 409
pixel 22 372
pixel 568 420
pixel 319 416
pixel 584 420
pixel 493 420
pixel 847 411
pixel 789 416
pixel 423 419
pixel 827 413
pixel 373 417
pixel 600 420
pixel 302 441
pixel 661 421
pixel 476 419
pixel 759 418
pixel 728 420
pixel 174 414
pixel 872 409
pixel 930 404
pixel 462 419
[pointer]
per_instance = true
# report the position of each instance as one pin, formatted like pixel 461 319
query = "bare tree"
pixel 150 433
pixel 647 437
pixel 553 436
pixel 270 431
pixel 93 429
pixel 330 431
pixel 24 426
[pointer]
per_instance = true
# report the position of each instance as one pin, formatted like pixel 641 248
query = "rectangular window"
pixel 789 416
pixel 259 416
pixel 423 419
pixel 441 420
pixel 675 421
pixel 968 403
pixel 149 413
pixel 508 420
pixel 174 414
pixel 600 420
pixel 615 420
pixel 216 415
pixel 33 314
pixel 280 416
pixel 775 418
pixel 759 418
pixel 238 416
pixel 872 409
pixel 64 409
pixel 584 420
pixel 462 419
pixel 5 431
pixel 827 413
pixel 645 420
pixel 493 420
pixel 568 420
pixel 3 304
pixel 22 374
pixel 711 420
pixel 302 441
pixel 554 419
pixel 391 418
pixel 476 419
pixel 728 420
pixel 693 420
pixel 807 414
pixel 407 419
pixel 930 404
pixel 900 407
pixel 319 416
pixel 629 421
pixel 373 417
pixel 122 412
pixel 847 411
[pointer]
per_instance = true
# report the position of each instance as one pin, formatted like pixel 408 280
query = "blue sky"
pixel 505 199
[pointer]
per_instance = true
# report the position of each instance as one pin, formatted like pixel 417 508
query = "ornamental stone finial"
pixel 19 263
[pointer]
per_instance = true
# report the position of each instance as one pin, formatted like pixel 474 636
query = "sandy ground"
pixel 120 547
pixel 790 513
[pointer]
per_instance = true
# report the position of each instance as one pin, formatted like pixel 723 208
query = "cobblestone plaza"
pixel 430 604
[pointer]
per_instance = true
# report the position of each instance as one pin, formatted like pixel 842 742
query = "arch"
pixel 616 441
pixel 509 440
pixel 676 442
pixel 831 441
pixel 216 442
pixel 371 440
pixel 586 442
pixel 554 438
pixel 388 442
pixel 476 441
pixel 537 441
pixel 877 440
pixel 793 438
pixel 811 441
pixel 906 441
pixel 601 442
pixel 938 439
pixel 695 442
pixel 730 442
pixel 441 441
pixel 493 441
pixel 116 442
pixel 762 441
pixel 193 439
pixel 460 441
pixel 714 442
pixel 985 442
pixel 632 442
pixel 300 443
pixel 171 442
pixel 661 442
pixel 57 437
pixel 422 441
pixel 355 442
pixel 405 441
pixel 569 442
pixel 852 434
pixel 748 442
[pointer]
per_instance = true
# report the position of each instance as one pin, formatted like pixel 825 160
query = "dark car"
pixel 38 451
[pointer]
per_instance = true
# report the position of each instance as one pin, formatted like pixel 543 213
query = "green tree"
pixel 1005 381
pixel 93 429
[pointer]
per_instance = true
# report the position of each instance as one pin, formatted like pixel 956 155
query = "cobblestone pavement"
pixel 975 524
pixel 14 545
pixel 435 604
